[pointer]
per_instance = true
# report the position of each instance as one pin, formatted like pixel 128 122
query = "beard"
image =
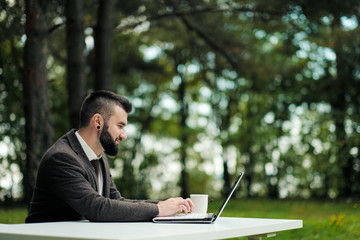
pixel 109 145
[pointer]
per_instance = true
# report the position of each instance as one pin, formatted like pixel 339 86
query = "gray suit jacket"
pixel 65 189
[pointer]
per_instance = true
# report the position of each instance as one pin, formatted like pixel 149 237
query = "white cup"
pixel 200 202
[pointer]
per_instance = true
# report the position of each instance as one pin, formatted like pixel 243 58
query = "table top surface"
pixel 224 227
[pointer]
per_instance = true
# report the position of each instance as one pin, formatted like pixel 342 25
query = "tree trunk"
pixel 224 131
pixel 103 45
pixel 226 177
pixel 183 139
pixel 249 166
pixel 224 126
pixel 339 108
pixel 38 130
pixel 76 79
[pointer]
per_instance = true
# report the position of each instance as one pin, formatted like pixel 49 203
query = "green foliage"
pixel 272 86
pixel 12 121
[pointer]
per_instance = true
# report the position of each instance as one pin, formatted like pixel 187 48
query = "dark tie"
pixel 95 163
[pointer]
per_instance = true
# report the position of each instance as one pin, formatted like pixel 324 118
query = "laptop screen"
pixel 230 194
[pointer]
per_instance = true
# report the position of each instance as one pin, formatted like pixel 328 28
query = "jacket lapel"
pixel 83 159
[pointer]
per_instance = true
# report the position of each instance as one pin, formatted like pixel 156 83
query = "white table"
pixel 224 227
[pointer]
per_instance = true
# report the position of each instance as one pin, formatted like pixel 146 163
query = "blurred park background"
pixel 262 86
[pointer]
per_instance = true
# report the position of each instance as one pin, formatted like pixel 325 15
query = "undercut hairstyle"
pixel 103 103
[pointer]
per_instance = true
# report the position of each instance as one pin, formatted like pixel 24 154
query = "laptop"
pixel 195 217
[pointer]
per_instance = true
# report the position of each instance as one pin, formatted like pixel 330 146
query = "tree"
pixel 75 48
pixel 326 29
pixel 103 45
pixel 38 130
pixel 183 135
pixel 11 115
pixel 259 67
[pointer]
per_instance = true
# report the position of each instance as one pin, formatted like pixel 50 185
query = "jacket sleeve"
pixel 69 180
pixel 114 192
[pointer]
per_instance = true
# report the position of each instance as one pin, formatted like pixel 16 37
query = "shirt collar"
pixel 87 149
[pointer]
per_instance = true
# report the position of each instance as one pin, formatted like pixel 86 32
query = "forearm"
pixel 105 209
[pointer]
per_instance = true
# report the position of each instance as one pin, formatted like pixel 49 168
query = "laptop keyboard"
pixel 190 215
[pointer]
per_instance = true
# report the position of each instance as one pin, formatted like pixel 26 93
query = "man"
pixel 69 187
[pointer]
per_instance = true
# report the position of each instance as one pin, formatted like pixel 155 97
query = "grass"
pixel 321 219
pixel 13 214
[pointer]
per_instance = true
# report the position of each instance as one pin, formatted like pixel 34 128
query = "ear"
pixel 97 121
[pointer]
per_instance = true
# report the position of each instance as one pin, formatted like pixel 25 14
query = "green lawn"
pixel 321 219
pixel 13 214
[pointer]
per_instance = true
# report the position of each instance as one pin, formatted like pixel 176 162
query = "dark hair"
pixel 102 102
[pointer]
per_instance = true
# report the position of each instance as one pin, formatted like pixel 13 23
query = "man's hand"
pixel 174 205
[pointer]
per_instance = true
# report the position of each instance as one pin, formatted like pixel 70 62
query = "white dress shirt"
pixel 91 156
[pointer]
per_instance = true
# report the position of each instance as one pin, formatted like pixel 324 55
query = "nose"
pixel 123 135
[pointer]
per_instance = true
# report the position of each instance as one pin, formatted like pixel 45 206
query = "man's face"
pixel 113 131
